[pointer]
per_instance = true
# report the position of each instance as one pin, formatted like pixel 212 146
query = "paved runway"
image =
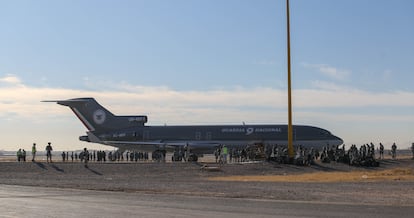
pixel 23 201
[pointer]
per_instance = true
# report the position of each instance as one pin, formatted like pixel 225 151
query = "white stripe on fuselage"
pixel 84 120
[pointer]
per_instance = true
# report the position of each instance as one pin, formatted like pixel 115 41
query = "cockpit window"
pixel 325 132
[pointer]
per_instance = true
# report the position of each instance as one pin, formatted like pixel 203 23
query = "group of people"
pixel 74 156
pixel 365 155
pixel 103 156
pixel 21 154
pixel 224 154
pixel 84 156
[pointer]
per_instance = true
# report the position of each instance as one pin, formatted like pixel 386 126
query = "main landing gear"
pixel 158 155
pixel 179 156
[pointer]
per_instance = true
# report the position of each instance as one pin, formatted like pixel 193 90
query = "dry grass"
pixel 406 174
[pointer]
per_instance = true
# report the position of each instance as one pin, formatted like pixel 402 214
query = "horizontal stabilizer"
pixel 69 101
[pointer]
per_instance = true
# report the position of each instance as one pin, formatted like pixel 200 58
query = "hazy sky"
pixel 207 62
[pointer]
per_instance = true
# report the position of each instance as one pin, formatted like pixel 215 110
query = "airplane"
pixel 131 133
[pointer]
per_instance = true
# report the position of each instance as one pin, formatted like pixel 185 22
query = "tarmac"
pixel 149 189
pixel 24 201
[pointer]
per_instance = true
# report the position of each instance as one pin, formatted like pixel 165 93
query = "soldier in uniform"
pixel 24 155
pixel 49 150
pixel 381 151
pixel 85 156
pixel 394 151
pixel 63 156
pixel 216 154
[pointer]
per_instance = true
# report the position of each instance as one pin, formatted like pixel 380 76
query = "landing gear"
pixel 177 156
pixel 158 155
pixel 188 155
pixel 192 158
pixel 184 153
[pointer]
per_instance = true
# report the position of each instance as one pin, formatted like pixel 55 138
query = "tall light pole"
pixel 290 128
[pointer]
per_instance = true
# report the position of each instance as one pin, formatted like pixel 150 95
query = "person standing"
pixel 63 156
pixel 224 152
pixel 33 152
pixel 381 151
pixel 412 149
pixel 85 156
pixel 394 151
pixel 216 154
pixel 24 155
pixel 49 150
pixel 19 155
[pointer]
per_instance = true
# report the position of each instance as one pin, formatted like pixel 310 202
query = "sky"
pixel 207 62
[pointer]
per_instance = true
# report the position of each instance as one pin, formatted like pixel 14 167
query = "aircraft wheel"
pixel 193 158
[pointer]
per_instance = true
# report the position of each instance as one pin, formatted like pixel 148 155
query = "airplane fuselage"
pixel 203 137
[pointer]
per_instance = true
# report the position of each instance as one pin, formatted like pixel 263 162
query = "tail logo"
pixel 99 116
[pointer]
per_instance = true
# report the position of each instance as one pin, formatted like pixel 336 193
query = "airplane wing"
pixel 152 145
pixel 195 147
pixel 161 143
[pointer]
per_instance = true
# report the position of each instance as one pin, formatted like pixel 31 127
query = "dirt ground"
pixel 390 184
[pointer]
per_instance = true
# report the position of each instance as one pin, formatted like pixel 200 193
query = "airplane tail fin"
pixel 97 118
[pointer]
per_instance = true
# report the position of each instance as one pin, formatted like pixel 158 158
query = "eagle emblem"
pixel 99 116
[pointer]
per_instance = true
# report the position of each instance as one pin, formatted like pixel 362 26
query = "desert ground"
pixel 392 183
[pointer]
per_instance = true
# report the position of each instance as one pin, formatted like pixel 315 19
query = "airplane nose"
pixel 338 140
